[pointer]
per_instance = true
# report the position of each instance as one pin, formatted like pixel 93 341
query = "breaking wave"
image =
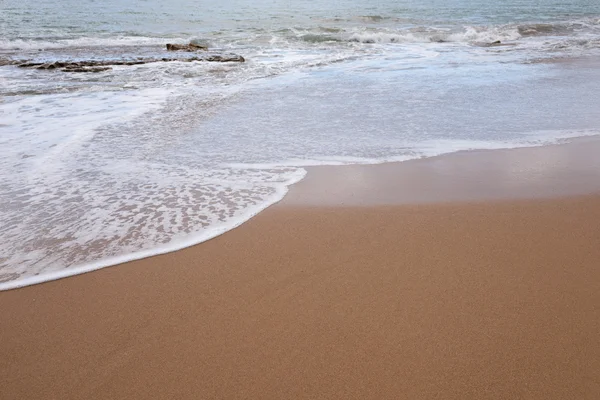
pixel 570 31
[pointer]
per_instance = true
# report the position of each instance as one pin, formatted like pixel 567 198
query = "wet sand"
pixel 400 281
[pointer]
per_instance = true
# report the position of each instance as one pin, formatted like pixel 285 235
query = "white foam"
pixel 125 212
pixel 173 245
pixel 430 148
pixel 468 34
pixel 20 44
pixel 47 128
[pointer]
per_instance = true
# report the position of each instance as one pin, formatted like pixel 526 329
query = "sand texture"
pixel 464 300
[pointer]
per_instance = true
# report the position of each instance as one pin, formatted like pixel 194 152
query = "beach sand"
pixel 469 276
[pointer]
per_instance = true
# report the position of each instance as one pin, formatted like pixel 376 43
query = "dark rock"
pixel 492 44
pixel 488 44
pixel 29 64
pixel 185 47
pixel 104 65
pixel 224 58
pixel 50 65
pixel 86 69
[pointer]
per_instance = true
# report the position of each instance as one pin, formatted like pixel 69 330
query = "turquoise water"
pixel 99 168
pixel 64 19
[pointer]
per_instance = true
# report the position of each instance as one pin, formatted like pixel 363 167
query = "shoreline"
pixel 558 170
pixel 318 192
pixel 471 298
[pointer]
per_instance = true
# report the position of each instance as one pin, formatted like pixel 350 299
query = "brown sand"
pixel 476 300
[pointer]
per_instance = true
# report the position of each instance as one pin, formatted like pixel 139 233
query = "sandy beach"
pixel 469 276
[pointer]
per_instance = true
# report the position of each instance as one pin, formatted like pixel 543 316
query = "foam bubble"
pixel 125 221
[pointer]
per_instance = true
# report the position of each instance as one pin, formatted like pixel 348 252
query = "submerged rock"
pixel 86 69
pixel 224 58
pixel 54 65
pixel 186 47
pixel 492 44
pixel 104 65
pixel 6 62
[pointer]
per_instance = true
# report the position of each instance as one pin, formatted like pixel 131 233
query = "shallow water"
pixel 99 168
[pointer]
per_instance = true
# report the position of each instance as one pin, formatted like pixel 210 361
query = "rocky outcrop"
pixel 104 65
pixel 223 58
pixel 186 47
pixel 86 69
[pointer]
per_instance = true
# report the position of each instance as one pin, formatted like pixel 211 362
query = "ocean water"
pixel 100 168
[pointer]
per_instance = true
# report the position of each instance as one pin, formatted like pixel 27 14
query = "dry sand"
pixel 370 300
